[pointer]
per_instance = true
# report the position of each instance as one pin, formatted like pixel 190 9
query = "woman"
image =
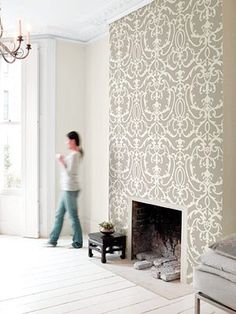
pixel 70 192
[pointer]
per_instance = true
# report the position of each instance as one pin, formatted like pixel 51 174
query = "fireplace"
pixel 159 228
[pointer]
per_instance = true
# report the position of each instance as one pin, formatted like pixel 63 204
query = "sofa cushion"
pixel 226 246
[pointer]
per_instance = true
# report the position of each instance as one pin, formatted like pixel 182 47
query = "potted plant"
pixel 106 227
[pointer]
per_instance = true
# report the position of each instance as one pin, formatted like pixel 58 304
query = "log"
pixel 142 265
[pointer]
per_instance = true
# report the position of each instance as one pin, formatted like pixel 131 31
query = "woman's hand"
pixel 61 159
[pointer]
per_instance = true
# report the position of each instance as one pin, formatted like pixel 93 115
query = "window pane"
pixel 5 67
pixel 10 92
pixel 10 156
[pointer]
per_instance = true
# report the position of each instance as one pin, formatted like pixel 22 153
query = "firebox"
pixel 156 229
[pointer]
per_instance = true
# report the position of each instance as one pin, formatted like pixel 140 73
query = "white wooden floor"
pixel 36 279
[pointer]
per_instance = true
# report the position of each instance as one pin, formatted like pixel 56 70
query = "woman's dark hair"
pixel 75 136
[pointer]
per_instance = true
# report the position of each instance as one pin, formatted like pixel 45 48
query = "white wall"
pixel 82 104
pixel 96 141
pixel 70 104
pixel 229 210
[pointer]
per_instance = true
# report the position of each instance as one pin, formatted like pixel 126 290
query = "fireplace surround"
pixel 151 206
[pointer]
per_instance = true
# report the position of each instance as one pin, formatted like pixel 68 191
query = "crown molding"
pixel 57 37
pixel 127 12
pixel 98 37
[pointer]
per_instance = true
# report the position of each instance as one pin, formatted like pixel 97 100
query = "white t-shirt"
pixel 70 173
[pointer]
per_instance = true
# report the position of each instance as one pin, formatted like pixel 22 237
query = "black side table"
pixel 106 244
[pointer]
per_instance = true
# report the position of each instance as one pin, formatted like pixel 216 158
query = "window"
pixel 10 127
pixel 5 68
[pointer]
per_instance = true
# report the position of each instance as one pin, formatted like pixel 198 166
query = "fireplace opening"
pixel 156 239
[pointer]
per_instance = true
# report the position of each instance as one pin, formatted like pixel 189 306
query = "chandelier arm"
pixel 5 58
pixel 5 48
pixel 13 55
pixel 20 39
pixel 4 51
pixel 1 28
pixel 13 52
pixel 24 55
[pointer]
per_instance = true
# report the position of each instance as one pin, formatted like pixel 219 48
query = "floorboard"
pixel 40 280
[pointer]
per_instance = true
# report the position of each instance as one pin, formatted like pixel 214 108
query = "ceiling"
pixel 81 20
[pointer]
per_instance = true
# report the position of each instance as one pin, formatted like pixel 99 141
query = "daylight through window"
pixel 10 126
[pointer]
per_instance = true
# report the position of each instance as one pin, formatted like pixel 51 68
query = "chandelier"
pixel 14 51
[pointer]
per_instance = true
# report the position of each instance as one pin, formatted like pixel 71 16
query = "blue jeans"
pixel 67 203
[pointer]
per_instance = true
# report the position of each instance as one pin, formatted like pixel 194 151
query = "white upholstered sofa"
pixel 214 279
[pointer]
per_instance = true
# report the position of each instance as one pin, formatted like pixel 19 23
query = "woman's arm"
pixel 61 160
pixel 70 165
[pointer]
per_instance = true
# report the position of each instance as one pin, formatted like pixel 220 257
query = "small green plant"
pixel 107 225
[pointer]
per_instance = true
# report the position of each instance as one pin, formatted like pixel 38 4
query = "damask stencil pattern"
pixel 166 113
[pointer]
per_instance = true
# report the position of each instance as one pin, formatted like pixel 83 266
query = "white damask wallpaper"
pixel 166 113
